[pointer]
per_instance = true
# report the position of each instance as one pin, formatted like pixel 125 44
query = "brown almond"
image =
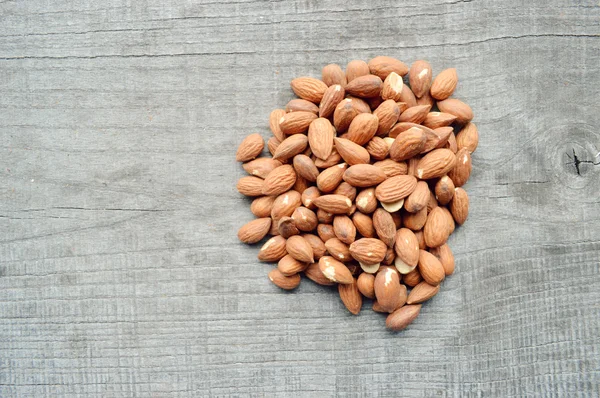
pixel 444 190
pixel 347 190
pixel 443 135
pixel 279 180
pixel 364 175
pixel 418 199
pixel 444 254
pixel 320 137
pixel 309 195
pixel 444 84
pixel 366 201
pixel 333 74
pixel 261 167
pixel 436 164
pixel 363 128
pixel 436 230
pixel 408 144
pixel 430 268
pixel 356 68
pixel 459 206
pixel 298 247
pixel 335 271
pixel 402 106
pixel 255 230
pixel 368 250
pixel 313 273
pixel 272 144
pixel 366 285
pixel 415 221
pixel 419 77
pixel 343 115
pixel 332 97
pixel 395 188
pixel 296 122
pixel 250 186
pixel 273 250
pixel 261 207
pixel 325 217
pixel 402 317
pixel 351 152
pixel 413 278
pixel 250 148
pixel 387 114
pixel 274 119
pixel 412 165
pixel 426 99
pixel 305 167
pixel 403 126
pixel 363 224
pixel 290 147
pixel 450 223
pixel 387 289
pixel 332 160
pixel 289 266
pixel 287 227
pixel 299 104
pixel 344 229
pixel 392 87
pixel 282 281
pixel 392 168
pixel 350 297
pixel 415 114
pixel 285 204
pixel 377 148
pixel 382 66
pixel 451 145
pixel 462 171
pixel 361 105
pixel 331 177
pixel 384 226
pixel 364 86
pixel 434 120
pixel 338 250
pixel 319 249
pixel 389 258
pixel 422 292
pixel 304 219
pixel 335 204
pixel 406 247
pixel 408 96
pixel 468 138
pixel 309 88
pixel 453 106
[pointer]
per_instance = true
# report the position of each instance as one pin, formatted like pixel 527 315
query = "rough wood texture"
pixel 120 271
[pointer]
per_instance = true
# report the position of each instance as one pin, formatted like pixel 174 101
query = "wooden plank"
pixel 120 271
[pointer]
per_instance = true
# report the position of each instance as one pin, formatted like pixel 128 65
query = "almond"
pixel 351 152
pixel 436 164
pixel 289 266
pixel 317 245
pixel 426 99
pixel 413 278
pixel 320 137
pixel 436 230
pixel 335 271
pixel 335 204
pixel 298 247
pixel 384 226
pixel 290 147
pixel 364 86
pixel 450 223
pixel 296 122
pixel 365 201
pixel 363 128
pixel 459 206
pixel 370 268
pixel 389 258
pixel 255 230
pixel 363 224
pixel 382 66
pixel 368 251
pixel 344 229
pixel 285 204
pixel 261 167
pixel 273 250
pixel 395 188
pixel 392 168
pixel 402 106
pixel 274 119
pixel 261 207
pixel 364 175
pixel 325 232
pixel 420 77
pixel 304 219
pixel 402 317
pixel 462 171
pixel 443 135
pixel 366 285
pixel 343 115
pixel 330 178
pixel 415 114
pixel 297 105
pixel 356 69
pixel 325 217
pixel 406 247
pixel 279 180
pixel 387 289
pixel 468 138
pixel 387 114
pixel 272 144
pixel 313 273
pixel 412 166
pixel 418 199
pixel 309 88
pixel 422 292
pixel 282 281
pixel 392 88
pixel 350 297
pixel 377 148
pixel 452 144
pixel 309 195
pixel 346 189
pixel 408 144
pixel 462 111
pixel 444 84
pixel 305 167
pixel 434 120
pixel 338 250
pixel 408 96
pixel 430 268
pixel 332 97
pixel 392 207
pixel 444 254
pixel 415 221
pixel 361 105
pixel 333 74
pixel 250 148
pixel 403 126
pixel 332 160
pixel 444 190
pixel 250 186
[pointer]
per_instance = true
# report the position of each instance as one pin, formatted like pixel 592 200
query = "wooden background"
pixel 120 271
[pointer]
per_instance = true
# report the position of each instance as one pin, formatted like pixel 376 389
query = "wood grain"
pixel 120 271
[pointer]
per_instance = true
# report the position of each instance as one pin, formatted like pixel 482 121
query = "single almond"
pixel 296 122
pixel 332 97
pixel 434 120
pixel 298 247
pixel 255 230
pixel 443 135
pixel 261 167
pixel 452 144
pixel 289 266
pixel 351 152
pixel 332 160
pixel 274 119
pixel 389 258
pixel 309 88
pixel 279 180
pixel 285 204
pixel 282 281
pixel 422 292
pixel 356 68
pixel 382 66
pixel 343 115
pixel 418 199
pixel 403 126
pixel 412 166
pixel 250 148
pixel 392 88
pixel 363 128
pixel 392 168
pixel 313 273
pixel 335 204
pixel 408 96
pixel 459 206
pixel 384 226
pixel 347 190
pixel 406 247
pixel 413 278
pixel 366 201
pixel 415 221
pixel 319 249
pixel 468 138
pixel 261 207
pixel 325 232
pixel 325 217
pixel 350 297
pixel 364 175
pixel 272 144
pixel 444 254
pixel 298 104
pixel 366 285
pixel 320 137
pixel 250 186
pixel 290 147
pixel 368 250
pixel 462 171
pixel 273 250
pixel 436 230
pixel 330 178
pixel 338 250
pixel 387 289
pixel 344 229
pixel 287 227
pixel 402 317
pixel 305 167
pixel 408 144
pixel 361 105
pixel 430 268
pixel 444 190
pixel 333 74
pixel 378 148
pixel 436 164
pixel 308 197
pixel 415 114
pixel 453 106
pixel 365 86
pixel 395 188
pixel 420 77
pixel 335 271
pixel 426 99
pixel 450 223
pixel 304 219
pixel 363 224
pixel 387 114
pixel 444 84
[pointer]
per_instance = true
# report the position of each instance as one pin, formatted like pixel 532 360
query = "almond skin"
pixel 382 66
pixel 364 86
pixel 273 143
pixel 289 266
pixel 444 254
pixel 298 248
pixel 320 137
pixel 387 289
pixel 261 207
pixel 305 167
pixel 415 114
pixel 309 88
pixel 430 268
pixel 344 229
pixel 334 204
pixel 459 206
pixel 255 230
pixel 444 190
pixel 304 219
pixel 250 186
pixel 290 147
pixel 408 97
pixel 392 168
pixel 451 145
pixel 392 88
pixel 361 105
pixel 453 106
pixel 343 115
pixel 346 189
pixel 319 249
pixel 332 97
pixel 274 119
pixel 387 114
pixel 364 175
pixel 402 317
pixel 395 188
pixel 282 281
pixel 415 221
pixel 378 148
pixel 335 271
pixel 273 250
pixel 413 278
pixel 436 164
pixel 332 160
pixel 296 122
pixel 444 84
pixel 261 167
pixel 366 285
pixel 250 148
pixel 436 229
pixel 434 120
pixel 384 226
pixel 363 128
pixel 462 171
pixel 406 247
pixel 443 135
pixel 299 104
pixel 287 227
pixel 325 232
pixel 418 199
pixel 468 138
pixel 363 224
pixel 422 292
pixel 366 201
pixel 330 178
pixel 313 273
pixel 285 204
pixel 350 297
pixel 333 74
pixel 308 197
pixel 408 144
pixel 279 180
pixel 356 68
pixel 368 250
pixel 338 250
pixel 351 152
pixel 420 77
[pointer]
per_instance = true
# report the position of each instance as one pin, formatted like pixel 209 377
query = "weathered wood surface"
pixel 120 271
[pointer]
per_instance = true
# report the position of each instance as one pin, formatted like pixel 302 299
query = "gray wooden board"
pixel 120 270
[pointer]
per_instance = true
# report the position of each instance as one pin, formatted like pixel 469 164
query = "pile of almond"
pixel 363 188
